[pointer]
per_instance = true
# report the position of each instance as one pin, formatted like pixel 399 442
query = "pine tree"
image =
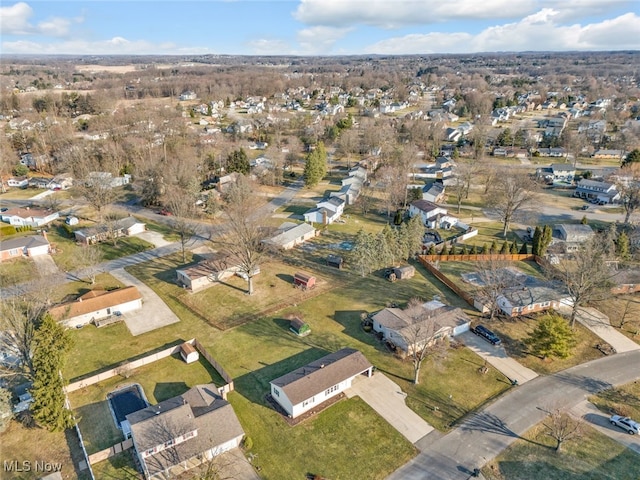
pixel 485 250
pixel 237 161
pixel 505 248
pixel 52 343
pixel 465 250
pixel 514 247
pixel 445 250
pixel 432 249
pixel 494 247
pixel 523 249
pixel 474 250
pixel 315 167
pixel 454 250
pixel 537 237
pixel 622 246
pixel 546 240
pixel 584 220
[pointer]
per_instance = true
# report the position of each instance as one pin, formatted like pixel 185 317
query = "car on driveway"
pixel 487 334
pixel 625 423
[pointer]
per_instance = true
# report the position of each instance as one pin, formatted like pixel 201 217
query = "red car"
pixel 164 212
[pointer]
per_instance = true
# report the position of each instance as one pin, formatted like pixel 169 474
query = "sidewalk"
pixel 599 324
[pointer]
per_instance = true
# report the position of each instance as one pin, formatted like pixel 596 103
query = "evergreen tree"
pixel 546 240
pixel 622 246
pixel 414 235
pixel 505 248
pixel 537 238
pixel 584 220
pixel 363 254
pixel 52 343
pixel 454 250
pixel 485 250
pixel 514 248
pixel 552 337
pixel 445 250
pixel 237 161
pixel 315 167
pixel 432 249
pixel 523 249
pixel 474 250
pixel 465 250
pixel 494 247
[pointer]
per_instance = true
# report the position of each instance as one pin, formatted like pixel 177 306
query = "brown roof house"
pixel 184 431
pixel 309 386
pixel 399 326
pixel 96 305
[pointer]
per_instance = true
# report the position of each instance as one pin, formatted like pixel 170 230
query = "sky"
pixel 316 27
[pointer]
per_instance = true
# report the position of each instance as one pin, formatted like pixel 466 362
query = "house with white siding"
pixel 291 234
pixel 309 386
pixel 29 217
pixel 183 432
pixel 326 212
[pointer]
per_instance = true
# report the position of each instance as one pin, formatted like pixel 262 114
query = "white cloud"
pixel 320 39
pixel 113 46
pixel 538 31
pixel 398 13
pixel 265 46
pixel 14 20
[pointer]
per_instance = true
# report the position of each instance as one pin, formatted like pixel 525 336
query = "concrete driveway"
pixel 600 421
pixel 45 265
pixel 497 357
pixel 388 399
pixel 154 312
pixel 155 238
pixel 598 323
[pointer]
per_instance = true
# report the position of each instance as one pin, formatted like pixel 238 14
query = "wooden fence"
pixel 508 257
pixel 110 452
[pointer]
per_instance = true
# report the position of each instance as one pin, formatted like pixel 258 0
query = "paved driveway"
pixel 497 357
pixel 388 399
pixel 599 324
pixel 45 265
pixel 155 238
pixel 600 421
pixel 154 312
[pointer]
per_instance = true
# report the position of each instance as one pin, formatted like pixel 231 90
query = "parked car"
pixel 585 207
pixel 625 423
pixel 487 334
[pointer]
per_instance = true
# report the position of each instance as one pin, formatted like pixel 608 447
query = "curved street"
pixel 483 435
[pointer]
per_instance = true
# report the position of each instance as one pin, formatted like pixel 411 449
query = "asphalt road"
pixel 483 435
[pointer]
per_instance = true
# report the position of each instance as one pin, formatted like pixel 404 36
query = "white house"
pixel 96 305
pixel 29 217
pixel 291 234
pixel 184 431
pixel 403 327
pixel 215 268
pixel 124 227
pixel 432 215
pixel 18 182
pixel 602 192
pixel 326 212
pixel 309 386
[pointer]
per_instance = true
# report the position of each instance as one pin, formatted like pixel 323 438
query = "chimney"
pixel 44 234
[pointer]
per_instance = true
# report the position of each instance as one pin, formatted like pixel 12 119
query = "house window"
pixel 530 307
pixel 330 390
pixel 545 304
pixel 168 444
pixel 277 393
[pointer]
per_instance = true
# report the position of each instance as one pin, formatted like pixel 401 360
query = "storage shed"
pixel 188 353
pixel 299 327
pixel 304 280
pixel 401 273
pixel 335 261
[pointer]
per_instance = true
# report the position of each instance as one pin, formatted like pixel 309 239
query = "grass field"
pixel 593 457
pixel 623 400
pixel 19 270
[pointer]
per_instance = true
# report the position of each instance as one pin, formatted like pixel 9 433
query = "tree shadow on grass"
pixel 489 423
pixel 165 390
pixel 254 385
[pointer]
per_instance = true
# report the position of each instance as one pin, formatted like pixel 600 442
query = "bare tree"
pixel 465 173
pixel 629 187
pixel 494 278
pixel 510 192
pixel 88 258
pixel 586 273
pixel 562 427
pixel 97 189
pixel 182 205
pixel 242 234
pixel 420 338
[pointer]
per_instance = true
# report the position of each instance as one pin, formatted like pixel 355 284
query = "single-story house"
pixel 97 304
pixel 18 182
pixel 573 236
pixel 401 327
pixel 326 212
pixel 121 228
pixel 29 217
pixel 30 246
pixel 537 297
pixel 291 234
pixel 215 268
pixel 309 386
pixel 184 431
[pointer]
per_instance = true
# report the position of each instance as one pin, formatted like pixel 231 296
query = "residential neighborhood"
pixel 370 267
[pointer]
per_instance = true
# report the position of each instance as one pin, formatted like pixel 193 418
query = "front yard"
pixel 623 400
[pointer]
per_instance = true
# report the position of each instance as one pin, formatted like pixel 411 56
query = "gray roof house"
pixel 120 228
pixel 573 236
pixel 603 192
pixel 29 246
pixel 291 234
pixel 307 387
pixel 182 432
pixel 398 326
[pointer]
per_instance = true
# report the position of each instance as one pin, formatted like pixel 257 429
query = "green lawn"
pixel 125 246
pixel 593 457
pixel 513 331
pixel 623 400
pixel 121 466
pixel 160 380
pixel 19 270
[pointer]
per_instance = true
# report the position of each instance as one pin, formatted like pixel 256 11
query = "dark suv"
pixel 487 334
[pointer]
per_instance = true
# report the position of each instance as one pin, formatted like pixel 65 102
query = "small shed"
pixel 304 281
pixel 188 353
pixel 400 273
pixel 299 327
pixel 71 220
pixel 335 261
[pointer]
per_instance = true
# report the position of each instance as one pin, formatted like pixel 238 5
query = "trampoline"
pixel 126 400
